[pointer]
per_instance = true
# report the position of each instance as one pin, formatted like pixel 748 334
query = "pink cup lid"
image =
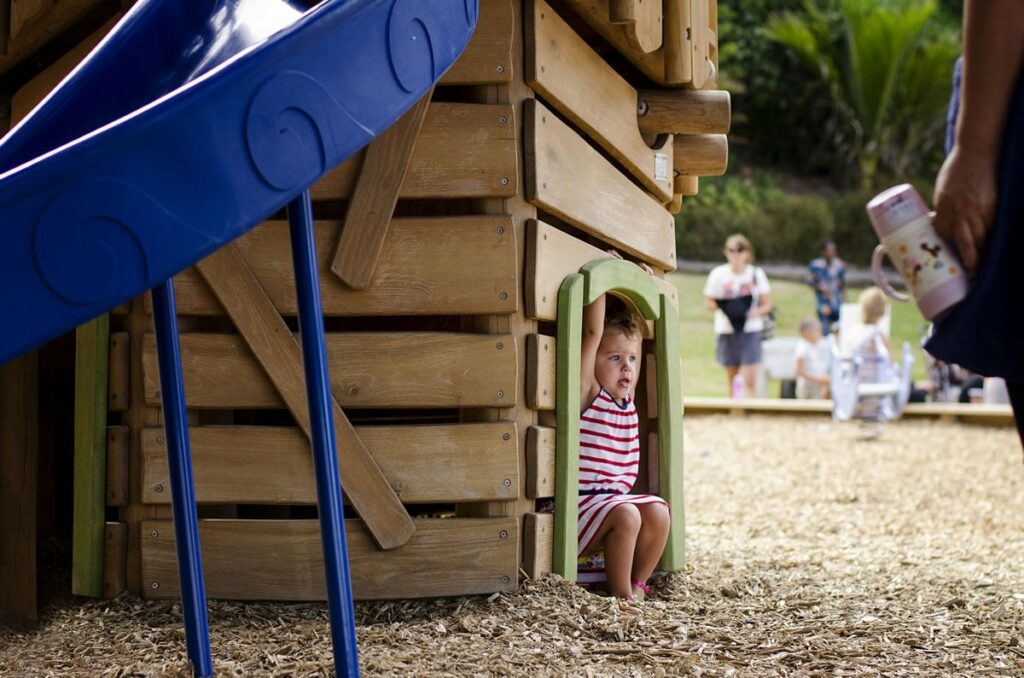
pixel 894 207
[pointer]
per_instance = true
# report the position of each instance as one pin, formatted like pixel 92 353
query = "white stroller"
pixel 866 383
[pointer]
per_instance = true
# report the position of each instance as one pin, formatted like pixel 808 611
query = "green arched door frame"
pixel 578 290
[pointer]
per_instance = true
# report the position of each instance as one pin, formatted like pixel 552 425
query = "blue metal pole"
pixel 325 460
pixel 183 501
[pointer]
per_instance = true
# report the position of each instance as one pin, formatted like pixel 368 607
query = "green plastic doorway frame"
pixel 578 290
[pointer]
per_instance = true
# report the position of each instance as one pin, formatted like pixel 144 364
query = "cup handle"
pixel 876 272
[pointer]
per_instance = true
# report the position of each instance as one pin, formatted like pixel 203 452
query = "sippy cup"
pixel 930 268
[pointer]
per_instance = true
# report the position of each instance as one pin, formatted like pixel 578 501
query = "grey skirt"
pixel 739 348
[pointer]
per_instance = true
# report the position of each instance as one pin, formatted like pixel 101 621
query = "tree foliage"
pixel 888 86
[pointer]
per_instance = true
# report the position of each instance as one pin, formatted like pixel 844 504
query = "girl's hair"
pixel 872 305
pixel 739 241
pixel 619 316
pixel 808 324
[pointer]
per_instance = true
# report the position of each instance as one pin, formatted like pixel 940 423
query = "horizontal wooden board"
pixel 572 77
pixel 540 372
pixel 411 278
pixel 487 58
pixel 273 465
pixel 464 151
pixel 282 559
pixel 551 255
pixel 368 369
pixel 568 178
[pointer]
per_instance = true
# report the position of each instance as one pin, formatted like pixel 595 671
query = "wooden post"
pixel 19 448
pixel 682 111
pixel 91 365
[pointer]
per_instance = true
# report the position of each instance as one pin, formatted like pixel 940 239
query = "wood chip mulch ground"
pixel 812 550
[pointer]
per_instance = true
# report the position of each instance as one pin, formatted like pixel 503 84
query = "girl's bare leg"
pixel 730 374
pixel 749 373
pixel 618 534
pixel 650 541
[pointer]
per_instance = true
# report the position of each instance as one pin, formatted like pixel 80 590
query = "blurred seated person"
pixel 812 361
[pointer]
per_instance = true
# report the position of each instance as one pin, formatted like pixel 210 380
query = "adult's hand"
pixel 965 201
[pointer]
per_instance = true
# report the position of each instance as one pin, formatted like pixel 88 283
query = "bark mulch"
pixel 812 550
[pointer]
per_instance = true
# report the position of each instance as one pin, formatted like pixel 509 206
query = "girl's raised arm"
pixel 593 328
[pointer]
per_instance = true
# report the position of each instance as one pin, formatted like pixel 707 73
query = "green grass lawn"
pixel 703 376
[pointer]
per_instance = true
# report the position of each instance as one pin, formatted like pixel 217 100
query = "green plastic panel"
pixel 622 277
pixel 577 291
pixel 567 431
pixel 92 356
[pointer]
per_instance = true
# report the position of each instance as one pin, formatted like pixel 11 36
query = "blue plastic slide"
pixel 190 123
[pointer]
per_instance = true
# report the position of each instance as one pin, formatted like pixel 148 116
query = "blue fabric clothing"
pixel 985 332
pixel 828 278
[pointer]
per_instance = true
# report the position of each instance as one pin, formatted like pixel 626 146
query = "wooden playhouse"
pixel 456 253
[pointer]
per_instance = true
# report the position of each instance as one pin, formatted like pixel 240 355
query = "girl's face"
pixel 618 363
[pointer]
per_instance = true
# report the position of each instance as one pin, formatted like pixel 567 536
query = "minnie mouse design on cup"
pixel 927 264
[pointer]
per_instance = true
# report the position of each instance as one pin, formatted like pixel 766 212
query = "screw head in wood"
pixel 500 345
pixel 501 394
pixel 155 585
pixel 503 119
pixel 641 108
pixel 506 482
pixel 503 534
pixel 507 436
pixel 503 296
pixel 501 230
pixel 504 580
pixel 154 534
pixel 504 181
pixel 158 395
pixel 158 488
pixel 159 440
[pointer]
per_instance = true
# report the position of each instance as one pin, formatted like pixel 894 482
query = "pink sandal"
pixel 645 590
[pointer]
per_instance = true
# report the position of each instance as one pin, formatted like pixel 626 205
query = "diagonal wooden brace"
pixel 373 201
pixel 278 352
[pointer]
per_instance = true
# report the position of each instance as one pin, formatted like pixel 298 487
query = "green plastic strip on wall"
pixel 578 290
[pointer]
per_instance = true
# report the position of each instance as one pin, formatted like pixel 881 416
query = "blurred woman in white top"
pixel 739 294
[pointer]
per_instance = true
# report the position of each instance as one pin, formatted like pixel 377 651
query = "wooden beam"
pixel 488 56
pixel 597 13
pixel 540 372
pixel 677 57
pixel 540 462
pixel 368 369
pixel 119 379
pixel 574 79
pixel 701 155
pixel 463 151
pixel 641 22
pixel 680 111
pixel 565 175
pixel 118 466
pixel 280 356
pixel 282 559
pixel 115 551
pixel 374 198
pixel 410 278
pixel 19 468
pixel 92 346
pixel 551 256
pixel 538 535
pixel 272 465
pixel 685 185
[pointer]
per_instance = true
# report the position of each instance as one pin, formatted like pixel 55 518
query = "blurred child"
pixel 812 361
pixel 632 528
pixel 868 338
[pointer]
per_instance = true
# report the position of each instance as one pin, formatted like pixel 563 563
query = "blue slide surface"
pixel 190 123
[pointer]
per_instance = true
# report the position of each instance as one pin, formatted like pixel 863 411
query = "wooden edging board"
pixel 487 58
pixel 272 465
pixel 282 559
pixel 368 369
pixel 565 173
pixel 1000 415
pixel 414 275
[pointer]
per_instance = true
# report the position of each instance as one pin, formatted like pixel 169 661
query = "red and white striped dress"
pixel 609 462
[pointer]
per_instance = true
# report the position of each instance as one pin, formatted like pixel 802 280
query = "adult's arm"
pixel 965 189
